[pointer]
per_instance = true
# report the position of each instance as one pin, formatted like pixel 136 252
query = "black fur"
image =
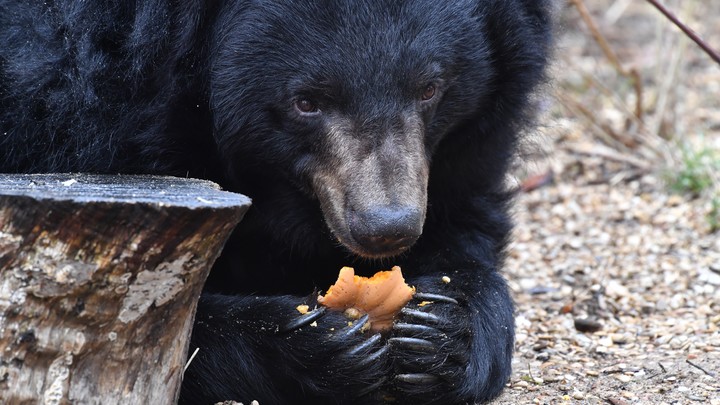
pixel 206 89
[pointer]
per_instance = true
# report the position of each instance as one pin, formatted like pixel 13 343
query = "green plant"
pixel 694 174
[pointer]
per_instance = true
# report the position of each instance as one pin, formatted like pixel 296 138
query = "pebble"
pixel 708 276
pixel 521 384
pixel 587 325
pixel 624 378
pixel 620 339
pixel 628 394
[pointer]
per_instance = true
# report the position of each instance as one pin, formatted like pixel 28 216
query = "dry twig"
pixel 631 73
pixel 687 30
pixel 710 373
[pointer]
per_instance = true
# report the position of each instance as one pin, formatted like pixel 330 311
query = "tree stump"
pixel 99 282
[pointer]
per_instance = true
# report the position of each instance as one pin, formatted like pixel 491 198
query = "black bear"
pixel 368 133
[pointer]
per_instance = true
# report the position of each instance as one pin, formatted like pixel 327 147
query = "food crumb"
pixel 422 304
pixel 314 324
pixel 353 313
pixel 446 279
pixel 303 309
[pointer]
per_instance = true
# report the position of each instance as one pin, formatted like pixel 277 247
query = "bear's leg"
pixel 261 348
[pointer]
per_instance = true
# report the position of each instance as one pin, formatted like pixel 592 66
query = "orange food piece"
pixel 381 296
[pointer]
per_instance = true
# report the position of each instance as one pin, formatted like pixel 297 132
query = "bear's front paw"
pixel 430 349
pixel 349 363
pixel 441 352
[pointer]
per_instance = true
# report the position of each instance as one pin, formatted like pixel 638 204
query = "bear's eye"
pixel 306 106
pixel 429 92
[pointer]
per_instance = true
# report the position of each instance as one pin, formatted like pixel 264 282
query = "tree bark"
pixel 99 282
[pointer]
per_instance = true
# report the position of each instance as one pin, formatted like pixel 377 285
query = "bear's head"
pixel 349 100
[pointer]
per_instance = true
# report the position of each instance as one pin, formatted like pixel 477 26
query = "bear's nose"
pixel 385 231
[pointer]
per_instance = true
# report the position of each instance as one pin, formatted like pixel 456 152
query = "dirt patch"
pixel 616 278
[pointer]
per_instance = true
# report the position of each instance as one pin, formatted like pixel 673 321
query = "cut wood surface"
pixel 99 281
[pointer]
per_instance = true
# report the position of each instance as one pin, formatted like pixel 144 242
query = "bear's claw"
pixel 356 327
pixel 303 320
pixel 434 297
pixel 374 356
pixel 417 378
pixel 415 344
pixel 412 328
pixel 420 315
pixel 363 346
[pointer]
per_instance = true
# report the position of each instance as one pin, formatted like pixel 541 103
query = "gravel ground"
pixel 634 262
pixel 617 279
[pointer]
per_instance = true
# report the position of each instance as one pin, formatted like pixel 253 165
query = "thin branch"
pixel 595 31
pixel 710 373
pixel 689 32
pixel 630 73
pixel 609 154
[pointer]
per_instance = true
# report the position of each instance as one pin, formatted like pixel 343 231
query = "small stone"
pixel 675 200
pixel 647 308
pixel 708 276
pixel 606 341
pixel 582 340
pixel 541 345
pixel 615 289
pixel 587 325
pixel 619 339
pixel 521 384
pixel 629 394
pixel 624 378
pixel 552 378
pixel 663 340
